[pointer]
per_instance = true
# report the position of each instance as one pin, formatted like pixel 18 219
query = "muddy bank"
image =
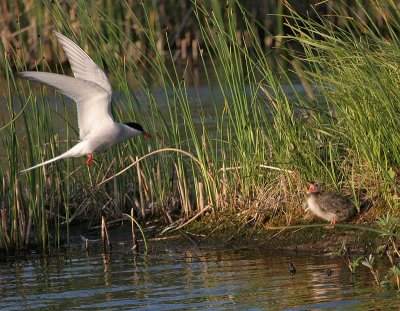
pixel 318 239
pixel 206 234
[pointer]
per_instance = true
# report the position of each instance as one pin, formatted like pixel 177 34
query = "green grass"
pixel 344 134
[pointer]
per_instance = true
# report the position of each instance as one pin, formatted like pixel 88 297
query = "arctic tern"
pixel 91 91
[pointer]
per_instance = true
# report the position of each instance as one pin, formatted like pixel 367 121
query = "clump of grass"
pixel 355 72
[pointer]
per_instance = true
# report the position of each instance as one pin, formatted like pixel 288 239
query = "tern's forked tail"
pixel 73 152
pixel 44 163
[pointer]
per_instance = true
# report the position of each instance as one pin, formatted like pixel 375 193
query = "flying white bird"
pixel 92 92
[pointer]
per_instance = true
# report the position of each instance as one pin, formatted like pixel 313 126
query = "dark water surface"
pixel 187 279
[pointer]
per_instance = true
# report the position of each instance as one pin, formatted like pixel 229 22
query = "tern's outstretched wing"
pixel 93 102
pixel 82 65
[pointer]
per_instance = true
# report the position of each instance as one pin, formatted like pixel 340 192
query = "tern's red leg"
pixel 89 159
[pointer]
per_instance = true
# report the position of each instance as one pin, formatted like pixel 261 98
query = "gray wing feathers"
pixel 91 99
pixel 82 65
pixel 69 86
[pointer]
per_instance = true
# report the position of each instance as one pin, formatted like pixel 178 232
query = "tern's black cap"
pixel 135 126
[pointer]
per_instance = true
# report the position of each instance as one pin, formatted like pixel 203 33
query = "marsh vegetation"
pixel 320 105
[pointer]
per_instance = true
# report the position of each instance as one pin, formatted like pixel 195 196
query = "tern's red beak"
pixel 145 134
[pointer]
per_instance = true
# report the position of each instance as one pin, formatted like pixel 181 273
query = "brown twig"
pixel 135 244
pixel 141 198
pixel 105 236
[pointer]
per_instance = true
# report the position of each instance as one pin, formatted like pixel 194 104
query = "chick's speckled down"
pixel 329 205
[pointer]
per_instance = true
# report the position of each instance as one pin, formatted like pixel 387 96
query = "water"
pixel 187 279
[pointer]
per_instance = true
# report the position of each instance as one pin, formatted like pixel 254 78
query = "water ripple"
pixel 191 280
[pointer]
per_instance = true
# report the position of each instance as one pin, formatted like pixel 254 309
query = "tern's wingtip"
pixel 59 35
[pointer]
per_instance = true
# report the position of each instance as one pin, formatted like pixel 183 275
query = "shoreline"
pixel 308 238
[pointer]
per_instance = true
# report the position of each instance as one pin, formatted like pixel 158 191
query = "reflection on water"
pixel 191 279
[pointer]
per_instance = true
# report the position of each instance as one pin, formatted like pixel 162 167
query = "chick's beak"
pixel 311 187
